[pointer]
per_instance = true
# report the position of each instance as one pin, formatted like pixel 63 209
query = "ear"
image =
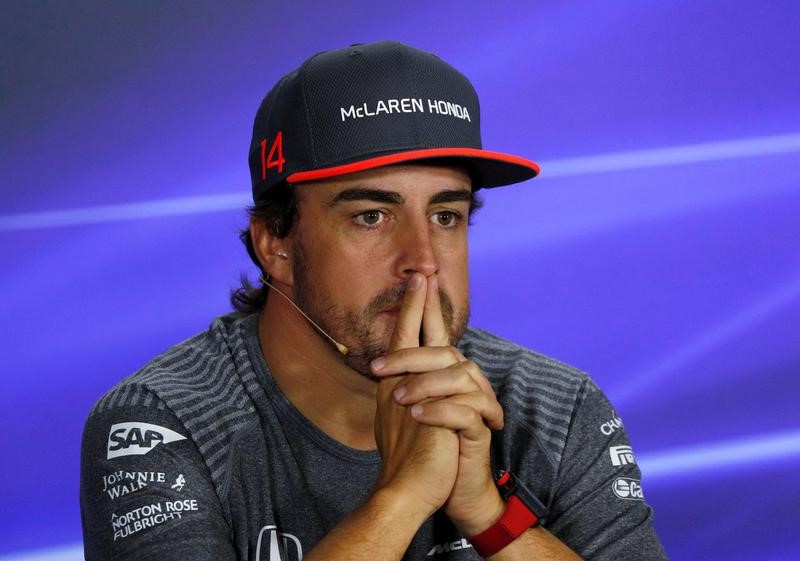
pixel 272 252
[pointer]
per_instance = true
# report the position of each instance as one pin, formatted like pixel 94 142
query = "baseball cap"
pixel 367 106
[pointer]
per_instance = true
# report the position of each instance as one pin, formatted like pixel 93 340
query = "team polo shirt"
pixel 199 455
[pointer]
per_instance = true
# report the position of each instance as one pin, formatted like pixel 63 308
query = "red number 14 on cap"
pixel 269 161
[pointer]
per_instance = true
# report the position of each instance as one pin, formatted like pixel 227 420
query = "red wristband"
pixel 515 520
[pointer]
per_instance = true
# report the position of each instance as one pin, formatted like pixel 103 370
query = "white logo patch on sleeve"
pixel 129 439
pixel 621 455
pixel 628 488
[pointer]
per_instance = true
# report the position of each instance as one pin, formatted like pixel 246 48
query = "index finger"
pixel 434 331
pixel 409 320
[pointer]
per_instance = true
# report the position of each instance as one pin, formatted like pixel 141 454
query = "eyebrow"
pixel 451 196
pixel 365 194
pixel 392 197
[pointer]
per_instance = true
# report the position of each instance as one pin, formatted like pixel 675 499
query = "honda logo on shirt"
pixel 277 546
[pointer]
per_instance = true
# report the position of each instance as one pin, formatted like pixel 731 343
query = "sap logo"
pixel 609 427
pixel 449 546
pixel 129 439
pixel 277 546
pixel 627 488
pixel 621 455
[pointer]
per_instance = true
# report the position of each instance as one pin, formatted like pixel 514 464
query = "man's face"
pixel 358 240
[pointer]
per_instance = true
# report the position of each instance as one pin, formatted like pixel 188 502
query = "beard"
pixel 359 330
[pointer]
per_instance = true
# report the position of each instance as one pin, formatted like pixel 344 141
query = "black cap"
pixel 367 106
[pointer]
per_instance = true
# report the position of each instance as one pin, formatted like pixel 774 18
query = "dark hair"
pixel 278 209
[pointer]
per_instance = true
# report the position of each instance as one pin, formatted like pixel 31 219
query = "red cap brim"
pixel 493 169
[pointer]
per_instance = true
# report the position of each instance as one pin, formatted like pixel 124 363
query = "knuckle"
pixel 484 401
pixel 498 411
pixel 403 336
pixel 466 372
pixel 402 331
pixel 435 412
pixel 413 390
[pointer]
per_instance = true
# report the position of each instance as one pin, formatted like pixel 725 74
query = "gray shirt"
pixel 199 455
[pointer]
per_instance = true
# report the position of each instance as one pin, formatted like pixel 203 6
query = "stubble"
pixel 359 330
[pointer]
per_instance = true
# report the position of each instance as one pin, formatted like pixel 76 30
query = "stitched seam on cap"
pixel 414 75
pixel 310 140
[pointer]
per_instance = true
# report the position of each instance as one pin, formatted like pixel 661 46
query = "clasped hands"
pixel 435 410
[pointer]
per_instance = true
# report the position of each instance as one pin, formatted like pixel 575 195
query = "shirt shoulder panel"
pixel 537 392
pixel 206 382
pixel 593 490
pixel 145 491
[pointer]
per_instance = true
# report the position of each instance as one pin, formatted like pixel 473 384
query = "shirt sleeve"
pixel 599 506
pixel 145 491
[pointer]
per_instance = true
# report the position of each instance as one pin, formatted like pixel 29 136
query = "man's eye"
pixel 446 218
pixel 370 218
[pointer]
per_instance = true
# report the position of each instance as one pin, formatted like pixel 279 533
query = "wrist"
pixel 522 510
pixel 401 504
pixel 481 516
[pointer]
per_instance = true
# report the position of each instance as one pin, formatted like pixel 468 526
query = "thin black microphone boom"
pixel 341 348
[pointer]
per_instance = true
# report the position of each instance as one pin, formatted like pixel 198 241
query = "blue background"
pixel 658 250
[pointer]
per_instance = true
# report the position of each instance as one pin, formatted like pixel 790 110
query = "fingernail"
pixel 399 393
pixel 416 411
pixel 415 282
pixel 378 364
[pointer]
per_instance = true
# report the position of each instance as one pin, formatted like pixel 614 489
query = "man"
pixel 347 412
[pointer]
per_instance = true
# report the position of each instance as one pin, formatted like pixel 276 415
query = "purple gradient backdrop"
pixel 673 278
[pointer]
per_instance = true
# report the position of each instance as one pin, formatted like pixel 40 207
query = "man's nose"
pixel 417 254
